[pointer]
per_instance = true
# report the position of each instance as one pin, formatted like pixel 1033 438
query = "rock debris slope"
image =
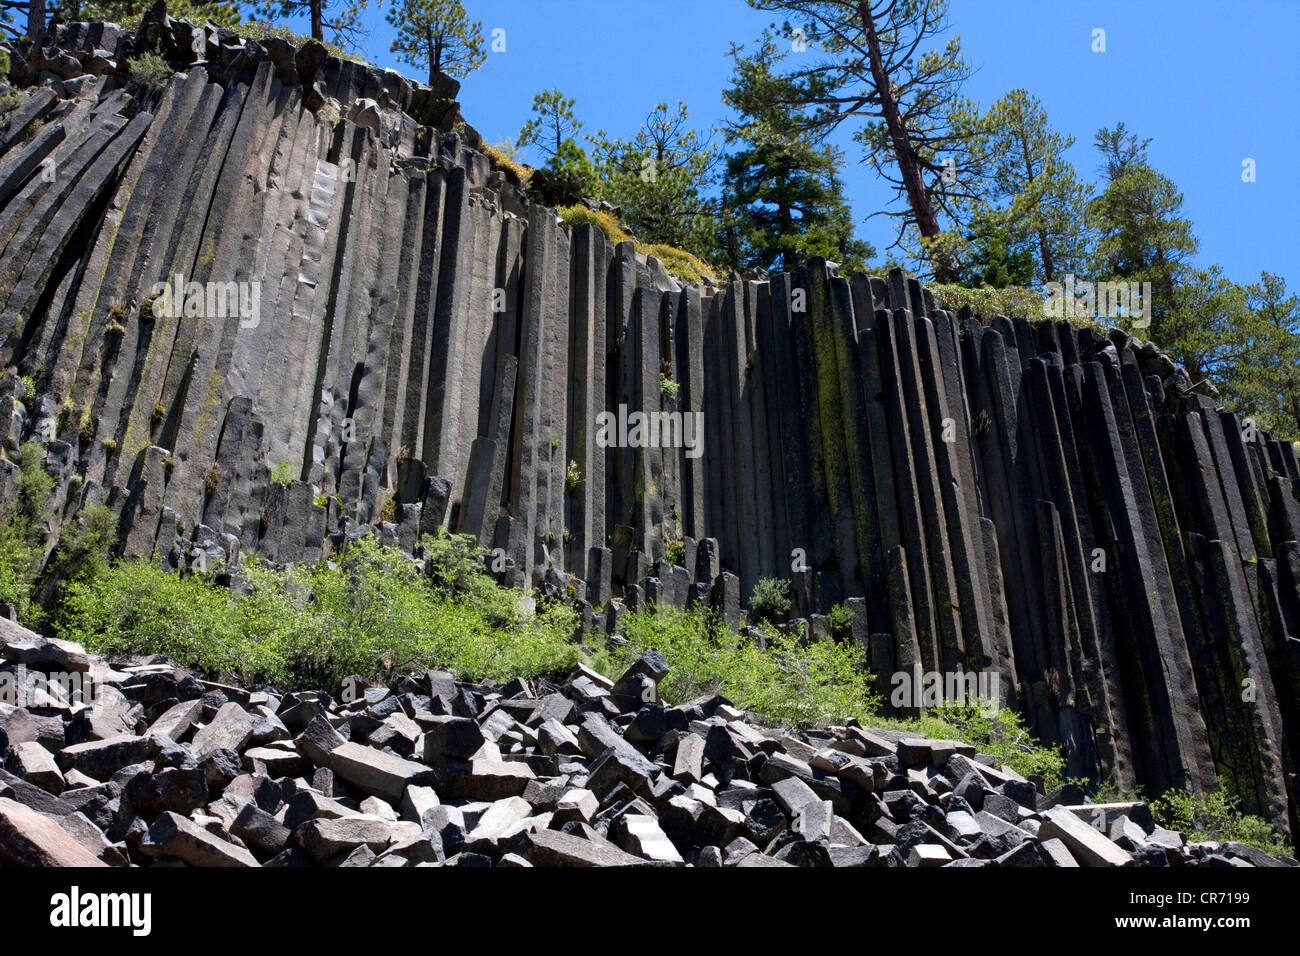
pixel 1051 504
pixel 173 770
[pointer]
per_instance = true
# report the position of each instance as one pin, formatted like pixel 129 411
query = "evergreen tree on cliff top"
pixel 1026 168
pixel 875 65
pixel 1141 234
pixel 659 178
pixel 783 200
pixel 438 36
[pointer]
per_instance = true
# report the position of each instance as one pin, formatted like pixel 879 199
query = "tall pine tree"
pixel 437 36
pixel 1141 235
pixel 1042 199
pixel 783 197
pixel 879 66
pixel 660 178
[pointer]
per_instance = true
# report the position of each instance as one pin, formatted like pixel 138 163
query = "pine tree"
pixel 782 186
pixel 1265 380
pixel 437 36
pixel 22 18
pixel 1044 199
pixel 659 178
pixel 916 129
pixel 554 124
pixel 997 253
pixel 1140 234
pixel 569 175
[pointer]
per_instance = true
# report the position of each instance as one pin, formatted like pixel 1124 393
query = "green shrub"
pixel 786 684
pixel 1013 302
pixel 1216 816
pixel 676 261
pixel 668 386
pixel 83 551
pixel 284 473
pixel 675 552
pixel 373 614
pixel 1001 734
pixel 454 563
pixel 149 68
pixel 22 533
pixel 572 476
pixel 841 621
pixel 770 600
pixel 604 221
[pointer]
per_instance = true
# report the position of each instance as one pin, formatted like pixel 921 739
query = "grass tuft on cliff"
pixel 678 262
pixel 502 161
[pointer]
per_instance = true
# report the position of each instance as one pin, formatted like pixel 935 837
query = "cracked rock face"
pixel 277 261
pixel 523 774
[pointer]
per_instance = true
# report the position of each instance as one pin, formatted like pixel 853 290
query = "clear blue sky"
pixel 1210 83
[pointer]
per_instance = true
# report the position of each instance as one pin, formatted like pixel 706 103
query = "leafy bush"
pixel 668 386
pixel 149 68
pixel 675 552
pixel 770 599
pixel 284 473
pixel 84 545
pixel 1013 301
pixel 22 533
pixel 372 614
pixel 841 620
pixel 1216 816
pixel 786 684
pixel 454 563
pixel 1001 734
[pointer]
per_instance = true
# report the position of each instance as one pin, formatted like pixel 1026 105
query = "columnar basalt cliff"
pixel 1049 503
